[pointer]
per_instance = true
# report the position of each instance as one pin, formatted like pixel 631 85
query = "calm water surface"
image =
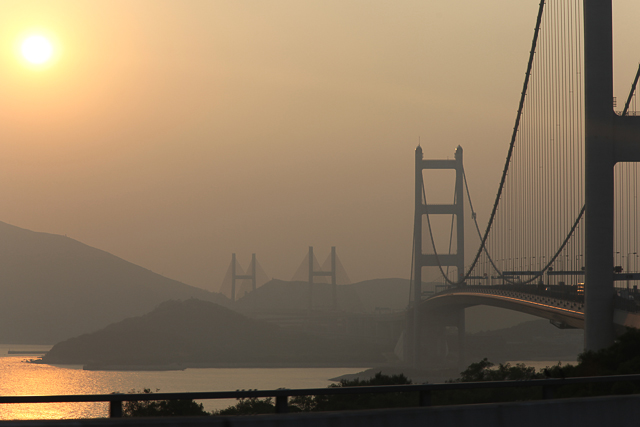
pixel 20 378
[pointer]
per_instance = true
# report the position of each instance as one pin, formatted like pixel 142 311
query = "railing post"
pixel 282 406
pixel 115 409
pixel 425 398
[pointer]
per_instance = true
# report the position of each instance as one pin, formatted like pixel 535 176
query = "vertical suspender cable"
pixel 513 136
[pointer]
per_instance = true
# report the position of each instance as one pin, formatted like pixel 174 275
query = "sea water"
pixel 19 378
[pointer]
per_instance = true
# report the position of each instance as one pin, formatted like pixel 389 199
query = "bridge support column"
pixel 435 348
pixel 434 260
pixel 462 342
pixel 440 346
pixel 415 337
pixel 599 164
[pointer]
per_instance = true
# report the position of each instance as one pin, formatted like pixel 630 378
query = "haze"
pixel 174 133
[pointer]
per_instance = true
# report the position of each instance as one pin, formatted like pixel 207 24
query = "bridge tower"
pixel 609 139
pixel 331 273
pixel 235 276
pixel 433 260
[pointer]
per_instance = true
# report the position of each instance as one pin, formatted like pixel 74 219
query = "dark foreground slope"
pixel 196 333
pixel 53 287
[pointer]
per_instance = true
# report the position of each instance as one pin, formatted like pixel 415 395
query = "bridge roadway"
pixel 564 309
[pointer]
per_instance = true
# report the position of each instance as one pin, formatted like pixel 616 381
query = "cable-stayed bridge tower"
pixel 331 274
pixel 331 271
pixel 235 276
pixel 238 282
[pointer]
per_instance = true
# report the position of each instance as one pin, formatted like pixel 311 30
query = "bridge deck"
pixel 564 308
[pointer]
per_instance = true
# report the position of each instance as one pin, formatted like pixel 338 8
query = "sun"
pixel 36 49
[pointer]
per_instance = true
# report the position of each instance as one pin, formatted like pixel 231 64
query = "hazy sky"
pixel 173 133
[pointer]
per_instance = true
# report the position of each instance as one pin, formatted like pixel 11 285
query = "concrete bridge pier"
pixel 462 341
pixel 441 339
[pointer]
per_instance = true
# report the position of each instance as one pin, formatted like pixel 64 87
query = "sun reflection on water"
pixel 20 378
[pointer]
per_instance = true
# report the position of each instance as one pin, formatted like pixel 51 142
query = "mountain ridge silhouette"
pixel 53 287
pixel 195 333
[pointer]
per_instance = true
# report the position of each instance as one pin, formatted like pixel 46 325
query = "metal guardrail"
pixel 282 395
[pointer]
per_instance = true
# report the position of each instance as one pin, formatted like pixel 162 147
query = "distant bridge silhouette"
pixel 238 282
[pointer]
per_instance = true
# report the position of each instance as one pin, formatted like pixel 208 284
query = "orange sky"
pixel 173 133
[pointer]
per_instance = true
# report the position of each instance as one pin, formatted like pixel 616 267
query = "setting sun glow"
pixel 36 49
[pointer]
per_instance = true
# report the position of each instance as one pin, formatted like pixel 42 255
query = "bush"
pixel 359 401
pixel 162 408
pixel 623 357
pixel 254 406
pixel 249 406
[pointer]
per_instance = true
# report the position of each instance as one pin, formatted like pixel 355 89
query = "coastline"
pixel 417 376
pixel 219 365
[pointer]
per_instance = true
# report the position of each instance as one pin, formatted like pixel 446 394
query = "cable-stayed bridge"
pixel 237 282
pixel 561 239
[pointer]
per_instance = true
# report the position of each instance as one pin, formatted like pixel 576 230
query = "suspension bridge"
pixel 561 239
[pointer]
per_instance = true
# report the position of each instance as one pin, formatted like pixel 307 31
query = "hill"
pixel 367 296
pixel 54 287
pixel 285 297
pixel 179 334
pixel 383 294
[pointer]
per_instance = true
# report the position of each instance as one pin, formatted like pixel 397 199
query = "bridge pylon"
pixel 235 276
pixel 331 273
pixel 609 139
pixel 435 260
